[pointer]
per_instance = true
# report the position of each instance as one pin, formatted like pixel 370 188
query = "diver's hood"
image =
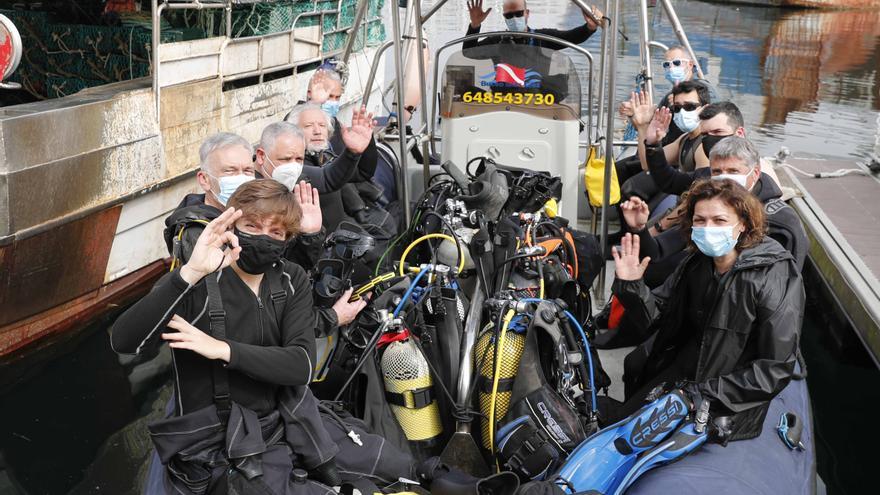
pixel 488 193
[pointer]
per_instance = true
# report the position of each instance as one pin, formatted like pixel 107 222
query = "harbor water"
pixel 73 415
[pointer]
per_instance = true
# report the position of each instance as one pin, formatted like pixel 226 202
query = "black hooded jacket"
pixel 750 341
pixel 783 223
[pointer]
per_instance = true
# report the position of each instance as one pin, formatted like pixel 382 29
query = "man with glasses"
pixel 516 16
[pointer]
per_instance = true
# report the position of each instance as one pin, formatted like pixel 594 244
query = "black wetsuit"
pixel 265 354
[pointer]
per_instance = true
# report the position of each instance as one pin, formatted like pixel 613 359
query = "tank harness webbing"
pixel 217 316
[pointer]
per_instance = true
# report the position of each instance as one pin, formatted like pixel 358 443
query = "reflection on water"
pixel 808 80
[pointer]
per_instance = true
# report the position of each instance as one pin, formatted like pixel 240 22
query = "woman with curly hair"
pixel 726 324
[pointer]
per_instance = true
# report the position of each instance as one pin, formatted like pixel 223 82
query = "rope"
pixel 841 172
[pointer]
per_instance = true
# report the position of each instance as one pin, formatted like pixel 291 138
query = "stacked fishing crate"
pixel 64 54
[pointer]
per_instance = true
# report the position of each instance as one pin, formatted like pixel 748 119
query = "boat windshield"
pixel 510 76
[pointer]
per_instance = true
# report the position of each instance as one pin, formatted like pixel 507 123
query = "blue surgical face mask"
pixel 228 185
pixel 516 24
pixel 675 74
pixel 714 241
pixel 687 121
pixel 331 107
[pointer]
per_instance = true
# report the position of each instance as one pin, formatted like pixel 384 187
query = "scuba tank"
pixel 409 391
pixel 484 359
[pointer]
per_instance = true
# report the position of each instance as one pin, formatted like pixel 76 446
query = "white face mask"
pixel 741 179
pixel 516 24
pixel 687 121
pixel 228 185
pixel 286 173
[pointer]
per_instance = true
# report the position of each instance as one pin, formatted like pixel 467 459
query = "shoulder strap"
pixel 219 374
pixel 277 293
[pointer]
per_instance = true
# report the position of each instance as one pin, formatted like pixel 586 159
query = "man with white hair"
pixel 321 164
pixel 226 162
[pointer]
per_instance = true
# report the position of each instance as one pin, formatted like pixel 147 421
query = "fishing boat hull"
pixel 87 182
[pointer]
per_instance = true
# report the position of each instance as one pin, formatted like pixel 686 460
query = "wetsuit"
pixel 264 354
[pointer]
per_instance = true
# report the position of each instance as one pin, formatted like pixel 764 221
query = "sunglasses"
pixel 515 13
pixel 677 62
pixel 688 107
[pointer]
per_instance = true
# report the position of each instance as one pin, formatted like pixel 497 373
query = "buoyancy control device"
pixel 551 411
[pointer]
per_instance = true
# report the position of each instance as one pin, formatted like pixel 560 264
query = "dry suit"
pixel 748 344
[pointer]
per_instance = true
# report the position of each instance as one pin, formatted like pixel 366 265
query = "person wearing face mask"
pixel 225 164
pixel 516 17
pixel 689 97
pixel 727 321
pixel 240 325
pixel 733 158
pixel 342 196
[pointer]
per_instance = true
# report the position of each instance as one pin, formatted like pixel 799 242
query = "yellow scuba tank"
pixel 409 391
pixel 509 357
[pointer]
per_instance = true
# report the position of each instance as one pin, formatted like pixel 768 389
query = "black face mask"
pixel 709 142
pixel 258 252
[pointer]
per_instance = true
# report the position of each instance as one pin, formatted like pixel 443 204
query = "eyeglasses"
pixel 669 63
pixel 515 13
pixel 687 106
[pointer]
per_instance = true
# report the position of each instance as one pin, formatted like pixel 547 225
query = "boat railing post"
pixel 433 10
pixel 609 146
pixel 403 179
pixel 352 34
pixel 600 108
pixel 374 67
pixel 682 37
pixel 423 89
pixel 645 49
pixel 157 26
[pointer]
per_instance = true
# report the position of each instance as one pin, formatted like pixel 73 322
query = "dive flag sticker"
pixel 510 74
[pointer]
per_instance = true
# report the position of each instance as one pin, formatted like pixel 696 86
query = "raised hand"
pixel 319 92
pixel 635 213
pixel 625 109
pixel 659 126
pixel 642 110
pixel 358 136
pixel 626 259
pixel 475 9
pixel 193 339
pixel 346 311
pixel 597 14
pixel 309 203
pixel 210 252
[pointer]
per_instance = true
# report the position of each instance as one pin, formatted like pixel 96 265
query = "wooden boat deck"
pixel 842 218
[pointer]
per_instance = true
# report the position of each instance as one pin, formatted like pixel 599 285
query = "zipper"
pixel 260 308
pixel 723 286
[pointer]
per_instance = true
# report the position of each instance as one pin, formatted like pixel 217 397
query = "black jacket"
pixel 783 223
pixel 750 342
pixel 576 36
pixel 333 208
pixel 265 354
